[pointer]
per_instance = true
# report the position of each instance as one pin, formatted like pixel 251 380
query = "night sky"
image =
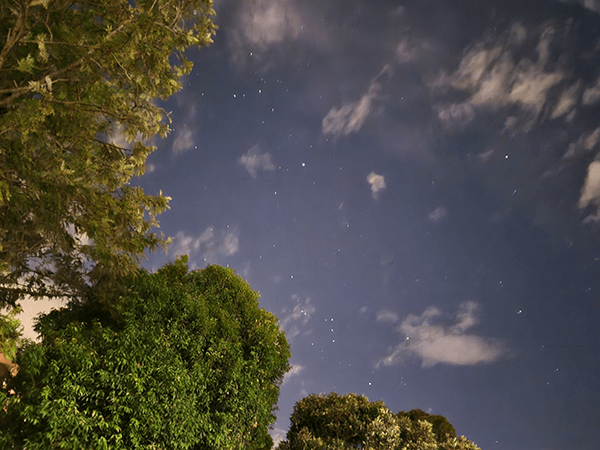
pixel 414 189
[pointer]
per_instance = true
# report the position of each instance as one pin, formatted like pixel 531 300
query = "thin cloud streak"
pixel 386 316
pixel 350 117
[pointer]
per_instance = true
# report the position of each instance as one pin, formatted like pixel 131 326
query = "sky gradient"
pixel 414 189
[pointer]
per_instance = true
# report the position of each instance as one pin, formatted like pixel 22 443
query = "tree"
pixel 442 429
pixel 182 360
pixel 350 421
pixel 10 338
pixel 78 88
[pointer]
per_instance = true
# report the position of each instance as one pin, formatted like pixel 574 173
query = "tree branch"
pixel 14 34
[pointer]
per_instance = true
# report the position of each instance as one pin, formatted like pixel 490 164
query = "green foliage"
pixel 352 422
pixel 10 339
pixel 344 418
pixel 10 333
pixel 189 362
pixel 442 429
pixel 78 84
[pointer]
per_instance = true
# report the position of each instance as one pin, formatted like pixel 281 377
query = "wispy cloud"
pixel 592 94
pixel 261 26
pixel 386 316
pixel 566 102
pixel 377 183
pixel 590 193
pixel 585 144
pixel 210 244
pixel 253 160
pixel 350 117
pixel 278 435
pixel 436 343
pixel 455 116
pixel 294 321
pixel 438 213
pixel 183 140
pixel 295 370
pixel 408 50
pixel 262 31
pixel 494 78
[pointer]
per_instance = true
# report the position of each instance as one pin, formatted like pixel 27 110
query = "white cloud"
pixel 408 50
pixel 492 78
pixel 183 140
pixel 253 160
pixel 295 370
pixel 590 194
pixel 209 244
pixel 263 30
pixel 592 94
pixel 293 321
pixel 485 156
pixel 438 213
pixel 386 316
pixel 261 26
pixel 350 117
pixel 184 135
pixel 566 102
pixel 270 22
pixel 455 116
pixel 437 343
pixel 517 34
pixel 230 244
pixel 586 143
pixel 278 435
pixel 377 183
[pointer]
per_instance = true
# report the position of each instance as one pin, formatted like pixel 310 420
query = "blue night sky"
pixel 414 188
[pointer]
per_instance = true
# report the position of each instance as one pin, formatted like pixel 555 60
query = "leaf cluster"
pixel 78 88
pixel 183 360
pixel 351 421
pixel 442 429
pixel 10 333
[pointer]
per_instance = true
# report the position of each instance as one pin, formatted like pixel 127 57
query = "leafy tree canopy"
pixel 10 333
pixel 180 360
pixel 10 338
pixel 442 429
pixel 340 422
pixel 79 82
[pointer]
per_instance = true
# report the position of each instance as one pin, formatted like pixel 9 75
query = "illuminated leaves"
pixel 73 82
pixel 351 421
pixel 179 360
